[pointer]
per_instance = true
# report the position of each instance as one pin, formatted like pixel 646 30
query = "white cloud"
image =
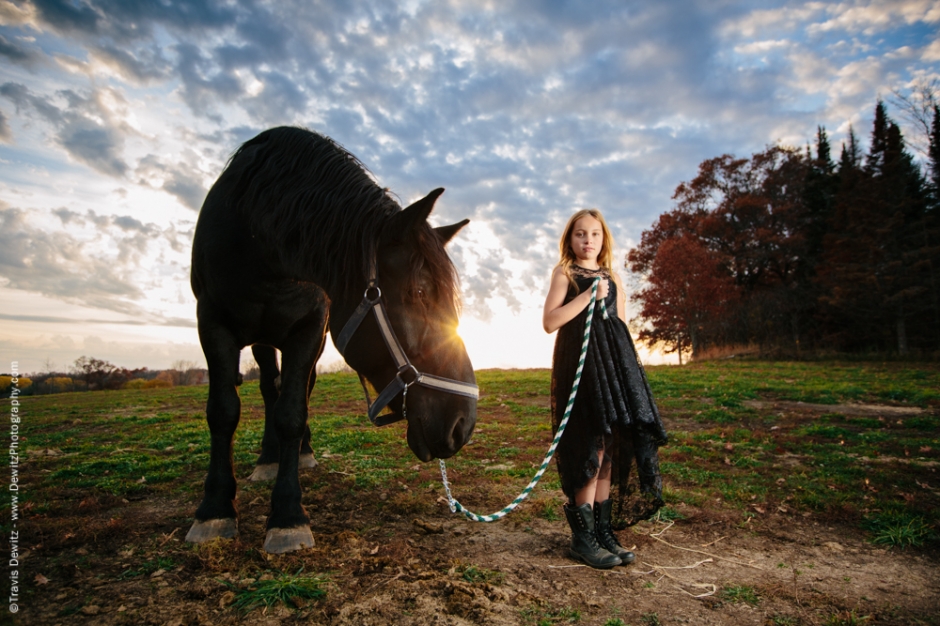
pixel 116 117
pixel 89 259
pixel 876 16
pixel 783 19
pixel 17 14
pixel 931 53
pixel 762 47
pixel 812 73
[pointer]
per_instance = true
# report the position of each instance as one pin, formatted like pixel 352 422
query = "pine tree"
pixel 823 152
pixel 933 152
pixel 819 197
pixel 927 235
pixel 901 203
pixel 840 278
pixel 895 206
pixel 877 276
pixel 849 159
pixel 875 160
pixel 866 285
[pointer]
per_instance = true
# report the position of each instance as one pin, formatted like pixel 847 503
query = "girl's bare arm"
pixel 556 313
pixel 621 297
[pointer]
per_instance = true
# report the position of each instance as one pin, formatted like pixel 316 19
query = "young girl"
pixel 614 420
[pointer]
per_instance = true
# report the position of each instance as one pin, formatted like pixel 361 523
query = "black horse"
pixel 289 238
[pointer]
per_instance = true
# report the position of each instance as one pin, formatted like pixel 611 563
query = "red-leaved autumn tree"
pixel 750 216
pixel 688 289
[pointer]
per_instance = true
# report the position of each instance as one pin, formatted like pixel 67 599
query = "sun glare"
pixel 507 340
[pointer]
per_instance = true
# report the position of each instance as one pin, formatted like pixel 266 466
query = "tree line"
pixel 92 374
pixel 790 252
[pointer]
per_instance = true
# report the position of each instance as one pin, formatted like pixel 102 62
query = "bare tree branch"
pixel 916 108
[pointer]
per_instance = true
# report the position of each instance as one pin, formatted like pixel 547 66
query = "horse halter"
pixel 407 374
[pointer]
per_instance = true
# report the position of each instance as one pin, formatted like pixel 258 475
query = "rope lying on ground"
pixel 456 507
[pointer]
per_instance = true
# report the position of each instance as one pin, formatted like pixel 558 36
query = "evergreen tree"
pixel 823 152
pixel 868 285
pixel 933 165
pixel 820 191
pixel 875 160
pixel 894 213
pixel 850 159
pixel 900 196
pixel 927 236
pixel 840 275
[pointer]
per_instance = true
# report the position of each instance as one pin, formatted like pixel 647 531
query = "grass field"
pixel 856 444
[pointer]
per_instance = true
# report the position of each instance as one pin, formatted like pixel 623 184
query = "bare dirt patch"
pixel 844 409
pixel 396 570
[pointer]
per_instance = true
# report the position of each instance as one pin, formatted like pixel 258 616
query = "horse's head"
pixel 419 290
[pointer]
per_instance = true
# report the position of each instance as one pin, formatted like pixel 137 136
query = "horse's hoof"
pixel 268 471
pixel 281 540
pixel 261 473
pixel 212 529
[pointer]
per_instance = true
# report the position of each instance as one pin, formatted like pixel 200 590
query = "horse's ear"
pixel 417 212
pixel 446 233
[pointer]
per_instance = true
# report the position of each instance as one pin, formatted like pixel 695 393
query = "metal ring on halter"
pixel 404 369
pixel 378 293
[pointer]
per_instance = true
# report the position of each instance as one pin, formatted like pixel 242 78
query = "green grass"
pixel 544 615
pixel 148 567
pixel 289 590
pixel 847 618
pixel 898 529
pixel 551 510
pixel 740 594
pixel 727 383
pixel 724 451
pixel 651 619
pixel 474 574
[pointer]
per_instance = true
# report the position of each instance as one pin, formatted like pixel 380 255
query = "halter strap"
pixel 407 374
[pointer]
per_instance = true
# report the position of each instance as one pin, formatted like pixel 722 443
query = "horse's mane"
pixel 318 207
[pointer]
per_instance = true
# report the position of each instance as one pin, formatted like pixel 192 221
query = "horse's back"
pixel 237 275
pixel 258 175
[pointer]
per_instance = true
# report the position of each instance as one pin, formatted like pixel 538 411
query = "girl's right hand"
pixel 556 313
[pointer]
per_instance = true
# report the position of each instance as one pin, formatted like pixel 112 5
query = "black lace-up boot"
pixel 605 534
pixel 584 546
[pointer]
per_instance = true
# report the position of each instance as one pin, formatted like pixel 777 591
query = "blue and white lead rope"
pixel 456 507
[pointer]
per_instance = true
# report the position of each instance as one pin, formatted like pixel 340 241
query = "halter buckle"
pixel 408 368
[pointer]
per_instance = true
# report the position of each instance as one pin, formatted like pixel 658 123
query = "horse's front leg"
pixel 288 524
pixel 266 465
pixel 217 516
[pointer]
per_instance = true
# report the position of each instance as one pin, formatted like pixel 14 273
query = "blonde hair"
pixel 567 258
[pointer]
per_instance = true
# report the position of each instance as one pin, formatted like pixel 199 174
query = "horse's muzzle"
pixel 441 434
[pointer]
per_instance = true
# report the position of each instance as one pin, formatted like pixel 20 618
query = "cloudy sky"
pixel 117 115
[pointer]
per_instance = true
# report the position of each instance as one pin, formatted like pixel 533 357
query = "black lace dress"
pixel 613 401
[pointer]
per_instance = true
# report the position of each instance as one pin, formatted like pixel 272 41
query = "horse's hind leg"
pixel 217 516
pixel 266 465
pixel 288 524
